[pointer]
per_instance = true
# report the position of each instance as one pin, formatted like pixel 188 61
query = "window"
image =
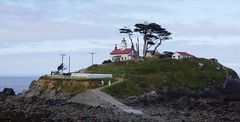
pixel 125 58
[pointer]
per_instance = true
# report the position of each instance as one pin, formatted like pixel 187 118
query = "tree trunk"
pixel 144 46
pixel 131 41
pixel 157 47
pixel 138 48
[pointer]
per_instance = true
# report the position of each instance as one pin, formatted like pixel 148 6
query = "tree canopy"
pixel 128 31
pixel 153 35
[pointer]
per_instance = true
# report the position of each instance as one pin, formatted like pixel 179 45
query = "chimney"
pixel 115 46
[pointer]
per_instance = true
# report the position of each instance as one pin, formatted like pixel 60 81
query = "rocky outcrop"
pixel 219 104
pixel 32 108
pixel 5 93
pixel 8 92
pixel 48 100
pixel 60 88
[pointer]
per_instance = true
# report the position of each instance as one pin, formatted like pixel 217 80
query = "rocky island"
pixel 163 89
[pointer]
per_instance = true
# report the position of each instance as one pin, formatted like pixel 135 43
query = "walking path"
pixel 96 97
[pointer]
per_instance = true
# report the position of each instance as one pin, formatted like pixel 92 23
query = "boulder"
pixel 152 93
pixel 8 92
pixel 200 65
pixel 5 93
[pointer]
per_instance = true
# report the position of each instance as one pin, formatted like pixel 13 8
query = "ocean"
pixel 19 84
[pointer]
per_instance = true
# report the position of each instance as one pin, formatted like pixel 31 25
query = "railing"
pixel 80 76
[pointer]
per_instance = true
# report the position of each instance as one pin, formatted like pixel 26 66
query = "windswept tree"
pixel 153 35
pixel 162 36
pixel 129 32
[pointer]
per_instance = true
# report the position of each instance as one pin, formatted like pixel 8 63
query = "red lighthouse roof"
pixel 119 51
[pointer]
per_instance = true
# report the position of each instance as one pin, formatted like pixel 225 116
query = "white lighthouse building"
pixel 123 53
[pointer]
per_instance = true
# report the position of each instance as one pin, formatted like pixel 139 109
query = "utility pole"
pixel 69 64
pixel 62 61
pixel 92 53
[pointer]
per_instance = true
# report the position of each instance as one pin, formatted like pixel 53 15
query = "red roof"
pixel 119 51
pixel 184 53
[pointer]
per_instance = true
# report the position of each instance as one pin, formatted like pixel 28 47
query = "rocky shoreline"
pixel 37 109
pixel 188 108
pixel 174 105
pixel 171 105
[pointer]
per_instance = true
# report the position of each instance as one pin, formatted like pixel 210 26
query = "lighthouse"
pixel 123 44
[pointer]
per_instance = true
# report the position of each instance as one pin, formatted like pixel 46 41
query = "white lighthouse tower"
pixel 123 44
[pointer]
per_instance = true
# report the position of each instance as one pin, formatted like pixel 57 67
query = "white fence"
pixel 89 76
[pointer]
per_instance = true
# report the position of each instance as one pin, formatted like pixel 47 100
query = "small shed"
pixel 181 55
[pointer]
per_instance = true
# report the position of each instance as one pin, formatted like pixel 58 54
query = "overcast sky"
pixel 34 32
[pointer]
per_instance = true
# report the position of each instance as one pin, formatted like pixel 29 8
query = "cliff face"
pixel 53 87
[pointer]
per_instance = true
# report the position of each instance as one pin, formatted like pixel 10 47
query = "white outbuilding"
pixel 181 55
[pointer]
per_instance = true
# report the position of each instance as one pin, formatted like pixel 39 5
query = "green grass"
pixel 153 74
pixel 123 89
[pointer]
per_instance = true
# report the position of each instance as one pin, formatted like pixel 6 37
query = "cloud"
pixel 55 46
pixel 33 21
pixel 209 29
pixel 205 40
pixel 52 26
pixel 206 33
pixel 47 30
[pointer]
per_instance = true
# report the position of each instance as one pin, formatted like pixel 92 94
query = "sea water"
pixel 19 84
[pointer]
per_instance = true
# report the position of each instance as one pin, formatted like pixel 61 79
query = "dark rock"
pixel 210 94
pixel 8 92
pixel 41 109
pixel 231 89
pixel 5 93
pixel 184 102
pixel 232 84
pixel 202 101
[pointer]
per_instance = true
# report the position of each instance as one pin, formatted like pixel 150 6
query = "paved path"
pixel 96 97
